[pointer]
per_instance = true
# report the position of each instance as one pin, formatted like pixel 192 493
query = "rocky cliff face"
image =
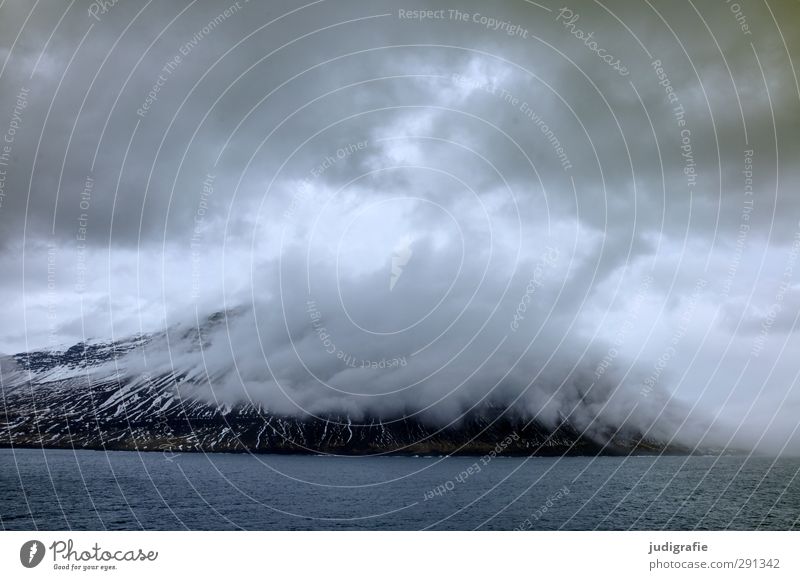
pixel 83 397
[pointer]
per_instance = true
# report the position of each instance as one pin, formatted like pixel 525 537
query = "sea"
pixel 126 490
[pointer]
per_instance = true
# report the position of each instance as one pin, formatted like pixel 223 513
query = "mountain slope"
pixel 86 397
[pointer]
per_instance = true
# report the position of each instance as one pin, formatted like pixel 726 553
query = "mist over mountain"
pixel 352 214
pixel 179 391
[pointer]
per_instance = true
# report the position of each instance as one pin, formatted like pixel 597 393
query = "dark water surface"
pixel 62 489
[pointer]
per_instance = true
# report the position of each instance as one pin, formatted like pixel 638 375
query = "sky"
pixel 417 207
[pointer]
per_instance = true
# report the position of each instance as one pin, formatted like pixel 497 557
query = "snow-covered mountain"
pixel 91 396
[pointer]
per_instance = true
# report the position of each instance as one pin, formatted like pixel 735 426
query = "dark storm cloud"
pixel 265 150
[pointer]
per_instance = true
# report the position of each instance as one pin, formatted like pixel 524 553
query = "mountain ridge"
pixel 84 397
